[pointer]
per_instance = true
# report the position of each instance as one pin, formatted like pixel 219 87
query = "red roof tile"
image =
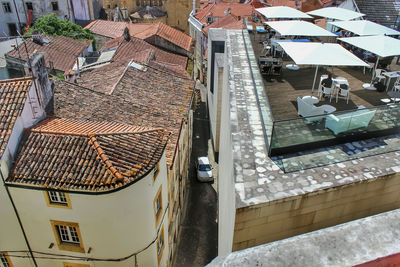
pixel 230 22
pixel 114 29
pixel 61 51
pixel 13 95
pixel 168 33
pixel 289 3
pixel 218 10
pixel 85 156
pixel 127 49
pixel 151 98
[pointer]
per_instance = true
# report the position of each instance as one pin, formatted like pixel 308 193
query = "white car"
pixel 204 170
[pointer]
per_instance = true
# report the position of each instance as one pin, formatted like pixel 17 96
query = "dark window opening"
pixel 216 47
pixel 12 29
pixel 6 7
pixel 54 5
pixel 29 6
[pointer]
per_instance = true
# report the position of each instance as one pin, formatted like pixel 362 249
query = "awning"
pixel 364 27
pixel 320 54
pixel 298 28
pixel 383 46
pixel 336 13
pixel 279 12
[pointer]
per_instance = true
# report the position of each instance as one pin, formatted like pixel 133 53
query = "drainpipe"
pixel 18 218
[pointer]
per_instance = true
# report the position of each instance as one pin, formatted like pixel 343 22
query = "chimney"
pixel 127 36
pixel 37 38
pixel 36 67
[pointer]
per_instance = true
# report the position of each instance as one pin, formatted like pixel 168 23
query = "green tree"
pixel 53 26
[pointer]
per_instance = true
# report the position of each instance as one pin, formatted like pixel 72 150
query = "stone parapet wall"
pixel 277 220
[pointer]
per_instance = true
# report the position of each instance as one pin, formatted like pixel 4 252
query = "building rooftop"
pixel 59 52
pixel 127 48
pixel 229 21
pixel 86 156
pixel 214 9
pixel 150 98
pixel 347 244
pixel 13 93
pixel 260 178
pixel 168 33
pixel 382 11
pixel 115 29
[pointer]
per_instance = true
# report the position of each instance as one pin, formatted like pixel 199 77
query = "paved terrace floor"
pixel 283 91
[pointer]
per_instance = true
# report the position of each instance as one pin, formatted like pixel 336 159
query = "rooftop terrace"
pixel 261 178
pixel 283 91
pixel 292 133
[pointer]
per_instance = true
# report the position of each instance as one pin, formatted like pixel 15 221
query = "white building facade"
pixel 30 11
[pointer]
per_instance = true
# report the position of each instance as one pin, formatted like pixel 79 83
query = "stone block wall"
pixel 277 220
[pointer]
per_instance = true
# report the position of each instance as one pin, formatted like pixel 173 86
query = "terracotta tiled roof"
pixel 218 10
pixel 289 3
pixel 381 11
pixel 13 95
pixel 311 5
pixel 135 45
pixel 112 43
pixel 84 156
pixel 61 51
pixel 151 98
pixel 168 33
pixel 114 29
pixel 230 22
pixel 105 78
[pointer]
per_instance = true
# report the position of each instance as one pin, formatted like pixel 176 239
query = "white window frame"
pixel 57 197
pixel 68 234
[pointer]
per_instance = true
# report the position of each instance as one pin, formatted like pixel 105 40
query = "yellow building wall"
pixel 177 10
pixel 277 220
pixel 178 13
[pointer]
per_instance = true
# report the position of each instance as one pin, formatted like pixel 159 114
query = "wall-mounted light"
pixel 51 245
pixel 89 250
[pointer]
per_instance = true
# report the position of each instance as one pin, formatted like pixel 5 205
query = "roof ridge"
pixel 119 79
pixel 122 128
pixel 102 155
pixel 16 79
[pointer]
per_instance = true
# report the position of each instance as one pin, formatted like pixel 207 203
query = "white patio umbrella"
pixel 282 12
pixel 335 13
pixel 298 28
pixel 380 45
pixel 320 54
pixel 364 27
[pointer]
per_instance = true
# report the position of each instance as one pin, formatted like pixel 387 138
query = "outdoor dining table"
pixel 390 75
pixel 336 82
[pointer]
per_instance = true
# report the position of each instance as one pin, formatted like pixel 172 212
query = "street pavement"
pixel 197 241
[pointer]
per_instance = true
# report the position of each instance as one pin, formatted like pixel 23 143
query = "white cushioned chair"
pixel 305 108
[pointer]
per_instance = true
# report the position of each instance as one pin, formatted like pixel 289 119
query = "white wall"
pixel 113 225
pixel 226 191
